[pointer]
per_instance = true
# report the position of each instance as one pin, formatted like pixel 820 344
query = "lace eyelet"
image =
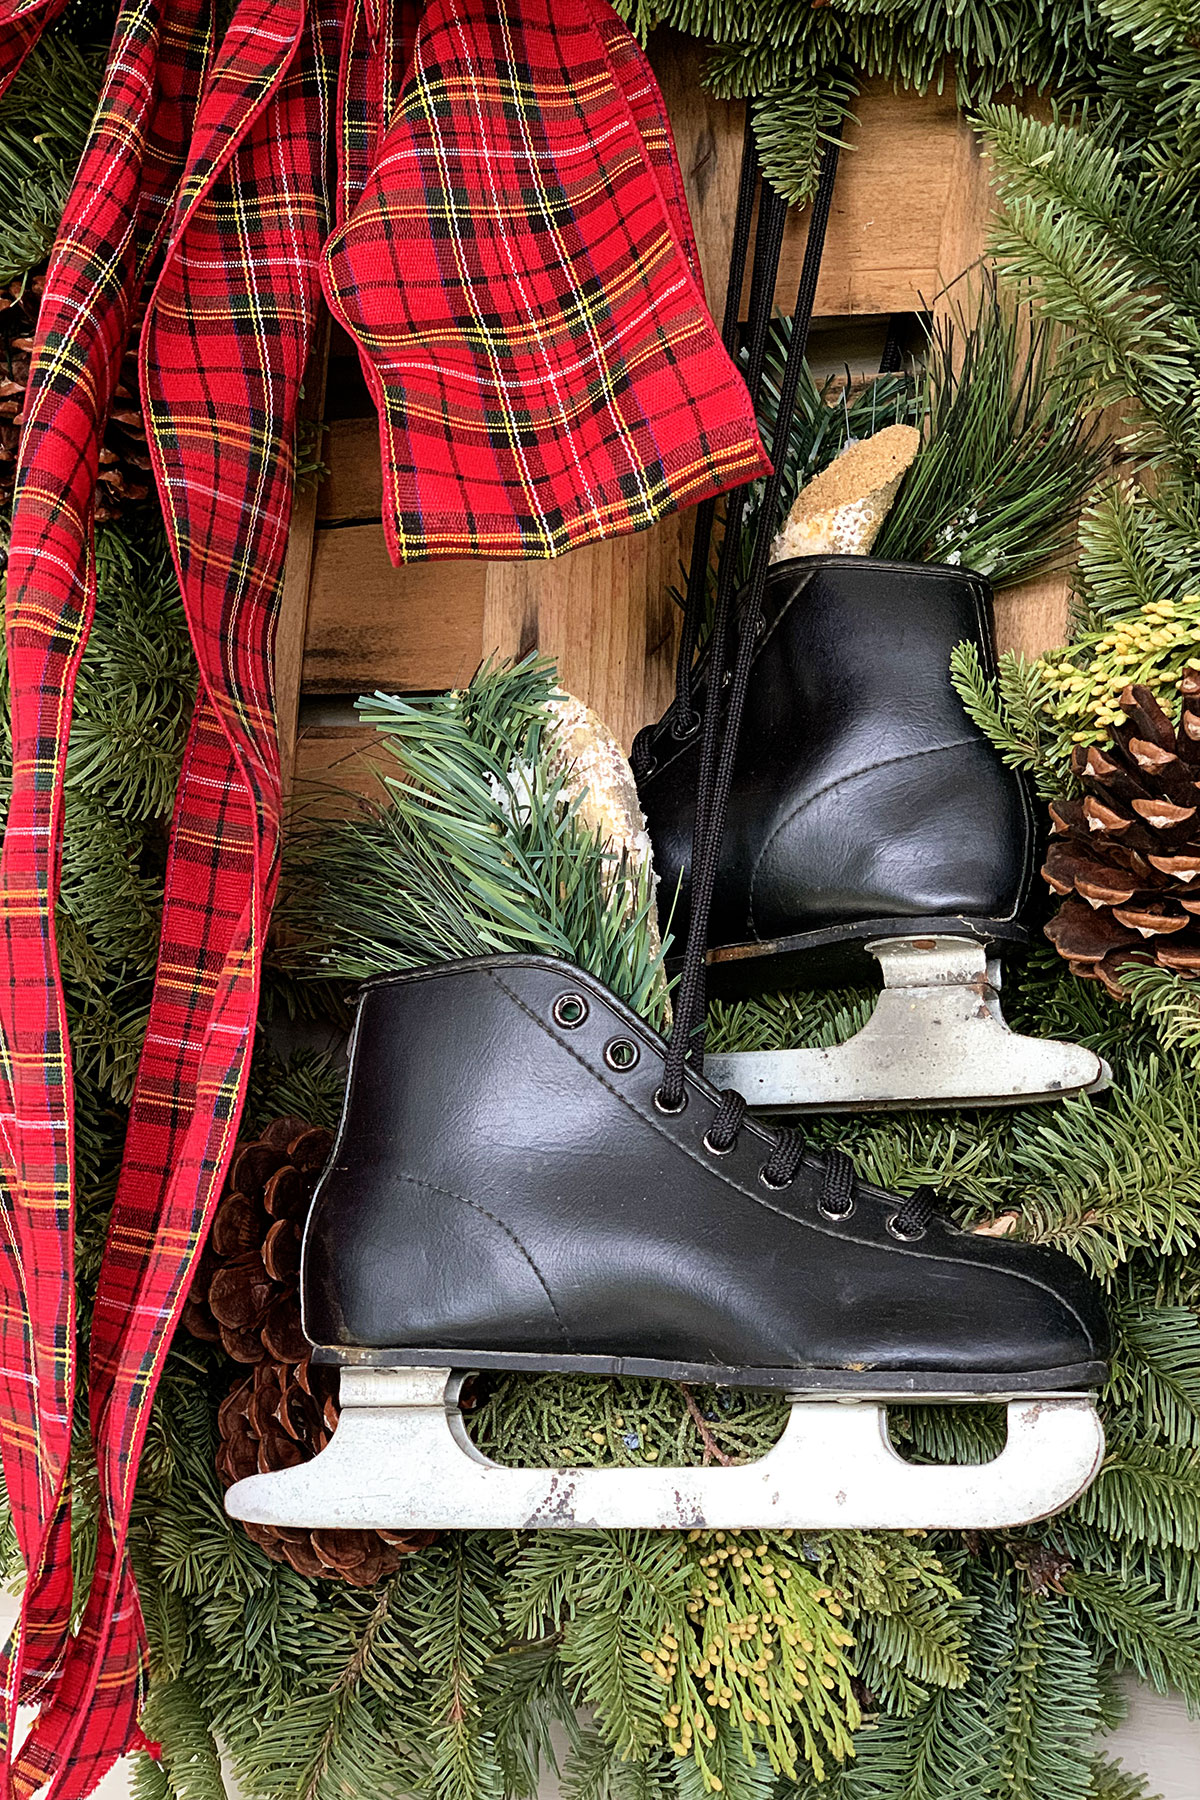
pixel 835 1214
pixel 670 1111
pixel 570 1010
pixel 681 732
pixel 904 1237
pixel 646 768
pixel 775 1186
pixel 716 1149
pixel 621 1054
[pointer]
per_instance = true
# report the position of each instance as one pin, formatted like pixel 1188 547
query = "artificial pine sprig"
pixel 1008 456
pixel 479 849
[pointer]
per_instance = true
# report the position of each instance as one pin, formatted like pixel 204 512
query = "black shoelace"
pixel 729 666
pixel 780 1168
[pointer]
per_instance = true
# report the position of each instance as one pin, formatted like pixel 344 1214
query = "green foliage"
pixel 44 120
pixel 577 1421
pixel 1052 1677
pixel 479 848
pixel 1108 246
pixel 1143 1632
pixel 1007 459
pixel 190 1768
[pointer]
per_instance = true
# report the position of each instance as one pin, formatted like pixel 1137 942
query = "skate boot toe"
pixel 1046 1312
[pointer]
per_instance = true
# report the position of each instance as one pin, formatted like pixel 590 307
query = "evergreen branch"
pixel 1147 1494
pixel 1009 710
pixel 1007 458
pixel 794 120
pixel 1170 1003
pixel 476 850
pixel 1094 186
pixel 1053 1704
pixel 1111 1782
pixel 1155 1375
pixel 1136 548
pixel 191 1763
pixel 1142 1632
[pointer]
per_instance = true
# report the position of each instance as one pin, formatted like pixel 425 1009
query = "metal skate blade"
pixel 937 1037
pixel 400 1459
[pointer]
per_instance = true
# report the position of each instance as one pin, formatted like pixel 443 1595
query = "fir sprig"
pixel 479 849
pixel 1008 455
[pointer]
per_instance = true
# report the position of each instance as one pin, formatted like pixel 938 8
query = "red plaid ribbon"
pixel 209 166
pixel 520 276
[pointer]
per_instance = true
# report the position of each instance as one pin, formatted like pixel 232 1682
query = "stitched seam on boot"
pixel 704 1163
pixel 888 762
pixel 449 1194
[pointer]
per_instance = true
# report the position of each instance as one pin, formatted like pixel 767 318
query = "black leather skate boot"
pixel 507 1191
pixel 865 803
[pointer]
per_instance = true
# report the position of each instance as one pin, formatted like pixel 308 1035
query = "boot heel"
pixel 937 1037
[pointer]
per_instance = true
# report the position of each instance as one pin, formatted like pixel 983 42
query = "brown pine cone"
pixel 1126 856
pixel 125 474
pixel 278 1417
pixel 245 1296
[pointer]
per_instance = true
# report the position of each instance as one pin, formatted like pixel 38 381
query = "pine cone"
pixel 245 1296
pixel 1127 855
pixel 124 460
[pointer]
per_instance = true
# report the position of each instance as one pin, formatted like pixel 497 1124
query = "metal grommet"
pixel 904 1237
pixel 681 732
pixel 768 1183
pixel 570 1010
pixel 621 1054
pixel 661 1106
pixel 647 768
pixel 835 1213
pixel 716 1149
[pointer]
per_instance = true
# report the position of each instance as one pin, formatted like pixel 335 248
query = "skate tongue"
pixel 722 722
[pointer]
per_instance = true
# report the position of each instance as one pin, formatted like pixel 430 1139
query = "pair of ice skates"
pixel 513 1187
pixel 528 1178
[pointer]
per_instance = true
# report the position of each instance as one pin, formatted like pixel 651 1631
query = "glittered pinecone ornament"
pixel 246 1297
pixel 124 460
pixel 1126 855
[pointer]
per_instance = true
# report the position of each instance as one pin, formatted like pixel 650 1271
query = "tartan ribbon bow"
pixel 515 257
pixel 521 279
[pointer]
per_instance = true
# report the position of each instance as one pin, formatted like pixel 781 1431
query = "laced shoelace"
pixel 721 723
pixel 783 1162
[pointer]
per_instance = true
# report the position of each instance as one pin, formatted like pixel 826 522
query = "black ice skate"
pixel 866 822
pixel 512 1188
pixel 869 818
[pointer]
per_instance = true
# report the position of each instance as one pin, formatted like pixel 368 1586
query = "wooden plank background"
pixel 908 215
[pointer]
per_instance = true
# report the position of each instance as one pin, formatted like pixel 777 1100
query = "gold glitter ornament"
pixel 841 510
pixel 597 775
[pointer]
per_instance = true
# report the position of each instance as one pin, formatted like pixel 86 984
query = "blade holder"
pixel 401 1459
pixel 937 1037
